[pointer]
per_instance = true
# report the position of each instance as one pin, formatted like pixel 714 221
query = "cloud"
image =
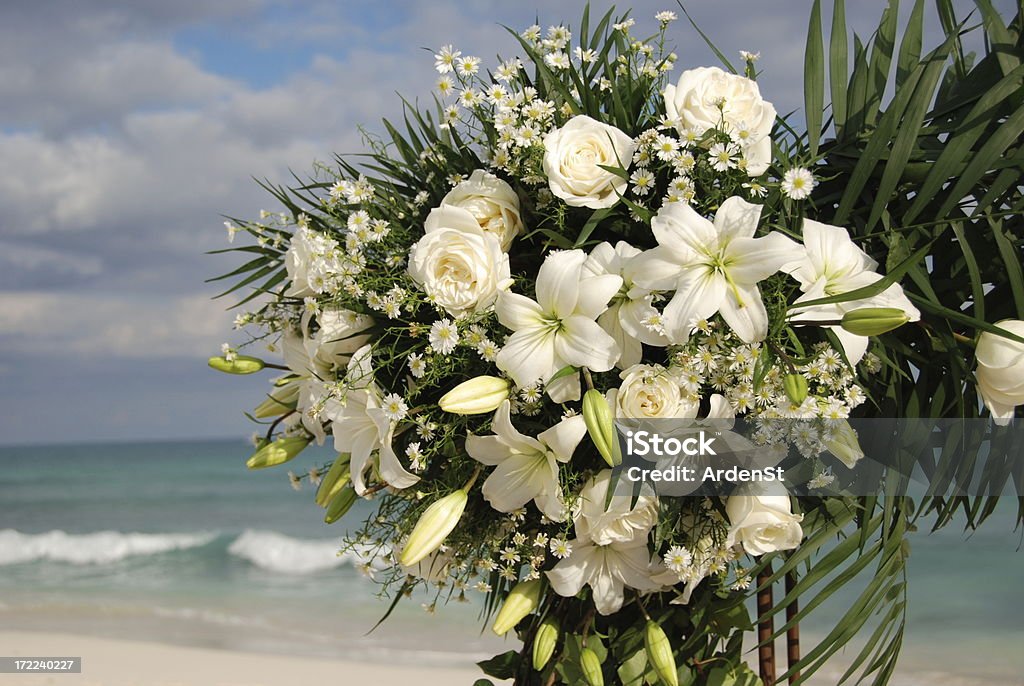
pixel 61 327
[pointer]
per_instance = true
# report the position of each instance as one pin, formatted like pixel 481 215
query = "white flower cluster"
pixel 399 292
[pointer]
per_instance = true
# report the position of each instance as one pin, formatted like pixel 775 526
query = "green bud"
pixel 795 386
pixel 874 321
pixel 544 642
pixel 434 525
pixel 659 654
pixel 333 481
pixel 597 415
pixel 280 451
pixel 479 395
pixel 340 503
pixel 279 401
pixel 521 601
pixel 241 364
pixel 590 664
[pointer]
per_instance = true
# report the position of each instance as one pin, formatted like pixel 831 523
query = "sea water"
pixel 179 543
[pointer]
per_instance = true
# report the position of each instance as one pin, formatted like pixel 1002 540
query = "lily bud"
pixel 434 525
pixel 795 386
pixel 279 401
pixel 280 451
pixel 477 396
pixel 340 504
pixel 240 364
pixel 590 664
pixel 597 415
pixel 874 321
pixel 842 442
pixel 659 654
pixel 544 642
pixel 334 480
pixel 521 601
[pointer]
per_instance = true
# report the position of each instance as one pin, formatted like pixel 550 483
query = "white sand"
pixel 113 662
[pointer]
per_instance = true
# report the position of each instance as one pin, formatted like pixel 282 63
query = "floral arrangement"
pixel 589 233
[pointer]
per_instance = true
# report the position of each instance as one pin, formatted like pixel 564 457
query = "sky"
pixel 128 129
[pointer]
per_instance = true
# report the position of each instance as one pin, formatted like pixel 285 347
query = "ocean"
pixel 179 543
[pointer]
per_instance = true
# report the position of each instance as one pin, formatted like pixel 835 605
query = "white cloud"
pixel 62 326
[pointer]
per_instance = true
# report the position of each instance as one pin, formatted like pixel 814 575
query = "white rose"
pixel 571 158
pixel 1000 371
pixel 708 97
pixel 492 202
pixel 650 392
pixel 762 521
pixel 457 264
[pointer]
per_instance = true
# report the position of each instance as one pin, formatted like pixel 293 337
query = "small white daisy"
pixel 443 336
pixel 394 407
pixel 797 183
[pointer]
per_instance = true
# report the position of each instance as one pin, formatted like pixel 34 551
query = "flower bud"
pixel 280 451
pixel 240 364
pixel 279 401
pixel 477 396
pixel 333 481
pixel 874 321
pixel 521 601
pixel 659 654
pixel 436 522
pixel 544 642
pixel 795 386
pixel 590 665
pixel 340 504
pixel 597 415
pixel 841 441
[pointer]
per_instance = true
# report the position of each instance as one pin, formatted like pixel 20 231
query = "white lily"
pixel 526 468
pixel 624 318
pixel 360 427
pixel 316 357
pixel 832 264
pixel 713 267
pixel 558 329
pixel 610 552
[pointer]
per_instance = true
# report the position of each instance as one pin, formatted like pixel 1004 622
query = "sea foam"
pixel 101 547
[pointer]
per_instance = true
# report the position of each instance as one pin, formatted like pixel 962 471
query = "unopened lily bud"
pixel 659 654
pixel 521 601
pixel 340 503
pixel 842 442
pixel 590 665
pixel 333 481
pixel 795 386
pixel 597 415
pixel 477 396
pixel 436 522
pixel 874 321
pixel 544 642
pixel 280 451
pixel 279 401
pixel 239 364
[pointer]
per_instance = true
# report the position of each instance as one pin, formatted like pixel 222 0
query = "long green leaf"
pixel 814 79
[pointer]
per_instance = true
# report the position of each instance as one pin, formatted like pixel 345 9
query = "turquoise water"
pixel 178 542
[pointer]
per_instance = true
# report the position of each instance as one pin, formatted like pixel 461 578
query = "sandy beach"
pixel 113 662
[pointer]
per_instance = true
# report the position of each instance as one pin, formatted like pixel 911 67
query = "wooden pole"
pixel 793 633
pixel 765 628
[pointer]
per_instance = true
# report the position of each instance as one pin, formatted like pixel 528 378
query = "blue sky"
pixel 128 128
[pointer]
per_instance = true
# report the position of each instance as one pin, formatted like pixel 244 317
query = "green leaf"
pixel 502 666
pixel 814 79
pixel 1011 261
pixel 837 64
